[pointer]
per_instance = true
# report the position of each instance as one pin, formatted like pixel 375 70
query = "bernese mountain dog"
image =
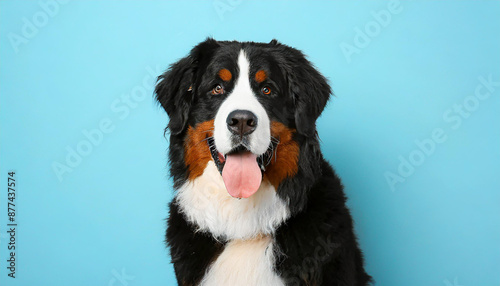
pixel 255 201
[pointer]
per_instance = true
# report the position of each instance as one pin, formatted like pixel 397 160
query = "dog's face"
pixel 247 107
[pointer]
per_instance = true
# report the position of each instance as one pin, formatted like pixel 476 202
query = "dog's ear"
pixel 176 87
pixel 174 92
pixel 310 92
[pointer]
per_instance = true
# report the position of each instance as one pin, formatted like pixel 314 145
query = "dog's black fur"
pixel 317 245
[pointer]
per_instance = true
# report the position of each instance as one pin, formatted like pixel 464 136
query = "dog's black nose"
pixel 241 122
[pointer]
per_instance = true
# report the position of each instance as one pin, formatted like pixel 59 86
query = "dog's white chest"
pixel 206 203
pixel 244 263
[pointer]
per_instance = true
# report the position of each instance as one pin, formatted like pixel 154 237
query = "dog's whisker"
pixel 208 130
pixel 206 139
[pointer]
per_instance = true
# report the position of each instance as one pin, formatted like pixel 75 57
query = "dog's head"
pixel 245 106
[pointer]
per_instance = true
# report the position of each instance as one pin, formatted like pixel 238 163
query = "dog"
pixel 255 201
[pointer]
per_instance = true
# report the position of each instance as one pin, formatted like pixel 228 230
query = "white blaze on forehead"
pixel 242 98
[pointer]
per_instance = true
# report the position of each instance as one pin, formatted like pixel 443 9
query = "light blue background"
pixel 441 226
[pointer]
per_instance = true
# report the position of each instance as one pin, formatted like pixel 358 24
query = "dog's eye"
pixel 266 90
pixel 218 89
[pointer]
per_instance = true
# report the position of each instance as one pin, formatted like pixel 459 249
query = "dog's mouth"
pixel 241 170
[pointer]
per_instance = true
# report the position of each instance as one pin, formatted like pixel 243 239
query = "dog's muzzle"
pixel 241 169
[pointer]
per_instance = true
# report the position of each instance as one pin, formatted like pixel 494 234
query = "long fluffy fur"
pixel 313 242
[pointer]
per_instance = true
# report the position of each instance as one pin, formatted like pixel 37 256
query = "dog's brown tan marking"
pixel 225 75
pixel 285 160
pixel 260 76
pixel 196 150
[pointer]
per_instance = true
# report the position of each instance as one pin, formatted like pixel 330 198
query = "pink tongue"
pixel 241 175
